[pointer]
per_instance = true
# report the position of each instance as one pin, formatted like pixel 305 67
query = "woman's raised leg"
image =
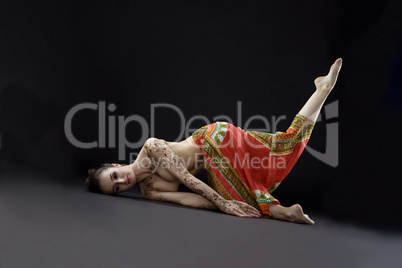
pixel 311 110
pixel 324 85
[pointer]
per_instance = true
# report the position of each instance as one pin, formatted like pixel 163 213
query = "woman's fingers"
pixel 242 213
pixel 243 210
pixel 249 210
pixel 253 209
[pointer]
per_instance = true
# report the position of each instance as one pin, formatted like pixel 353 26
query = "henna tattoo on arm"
pixel 185 199
pixel 166 158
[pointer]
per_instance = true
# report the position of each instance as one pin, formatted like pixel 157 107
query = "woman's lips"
pixel 128 179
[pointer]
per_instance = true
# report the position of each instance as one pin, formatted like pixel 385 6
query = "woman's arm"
pixel 164 156
pixel 181 198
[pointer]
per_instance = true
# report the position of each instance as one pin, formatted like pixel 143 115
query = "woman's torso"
pixel 159 179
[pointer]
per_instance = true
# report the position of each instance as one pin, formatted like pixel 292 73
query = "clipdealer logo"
pixel 331 155
pixel 108 140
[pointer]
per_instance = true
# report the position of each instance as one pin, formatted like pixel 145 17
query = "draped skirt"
pixel 249 165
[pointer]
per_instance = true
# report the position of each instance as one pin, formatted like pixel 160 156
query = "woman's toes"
pixel 336 67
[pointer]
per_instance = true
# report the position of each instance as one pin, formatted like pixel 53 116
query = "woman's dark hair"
pixel 93 181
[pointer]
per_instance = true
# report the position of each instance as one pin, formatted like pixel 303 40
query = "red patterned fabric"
pixel 249 165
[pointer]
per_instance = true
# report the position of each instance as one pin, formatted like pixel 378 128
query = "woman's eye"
pixel 116 189
pixel 114 175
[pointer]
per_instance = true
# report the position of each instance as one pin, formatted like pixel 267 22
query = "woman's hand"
pixel 238 208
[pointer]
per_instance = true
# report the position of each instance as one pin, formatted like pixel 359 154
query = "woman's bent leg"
pixel 324 85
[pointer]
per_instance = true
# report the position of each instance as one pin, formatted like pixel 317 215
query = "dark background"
pixel 203 57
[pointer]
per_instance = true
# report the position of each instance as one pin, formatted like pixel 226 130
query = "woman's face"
pixel 117 179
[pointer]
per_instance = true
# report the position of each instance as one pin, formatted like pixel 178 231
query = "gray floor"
pixel 51 225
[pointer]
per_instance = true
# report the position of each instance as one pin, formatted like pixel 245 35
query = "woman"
pixel 244 167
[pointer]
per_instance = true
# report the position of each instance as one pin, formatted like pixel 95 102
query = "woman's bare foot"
pixel 292 214
pixel 297 215
pixel 327 83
